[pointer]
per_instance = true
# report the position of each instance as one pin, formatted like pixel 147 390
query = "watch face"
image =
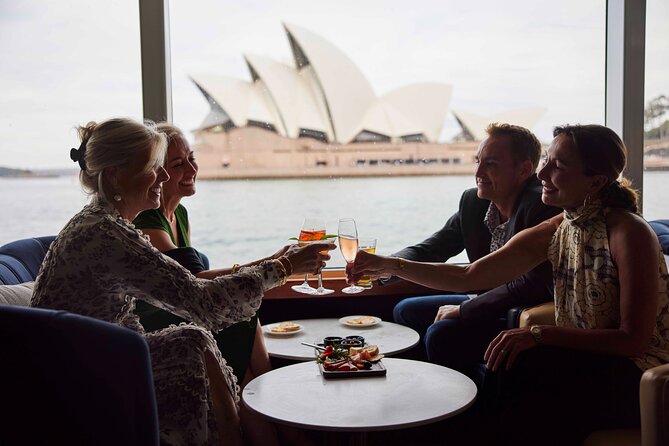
pixel 536 332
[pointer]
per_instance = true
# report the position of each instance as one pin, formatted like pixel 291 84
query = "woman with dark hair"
pixel 611 298
pixel 100 264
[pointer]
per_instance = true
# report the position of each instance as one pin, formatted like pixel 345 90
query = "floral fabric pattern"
pixel 587 289
pixel 497 229
pixel 99 264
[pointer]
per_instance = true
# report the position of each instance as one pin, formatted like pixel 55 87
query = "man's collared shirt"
pixel 497 229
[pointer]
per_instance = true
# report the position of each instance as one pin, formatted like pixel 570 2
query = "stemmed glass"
pixel 313 229
pixel 348 243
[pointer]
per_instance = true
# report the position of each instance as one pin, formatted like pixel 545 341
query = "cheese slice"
pixel 372 349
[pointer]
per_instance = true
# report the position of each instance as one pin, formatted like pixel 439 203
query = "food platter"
pixel 377 369
pixel 279 329
pixel 337 362
pixel 360 321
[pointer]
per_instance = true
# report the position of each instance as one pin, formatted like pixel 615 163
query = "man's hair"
pixel 524 145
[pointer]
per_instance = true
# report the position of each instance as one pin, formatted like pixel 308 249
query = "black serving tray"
pixel 378 369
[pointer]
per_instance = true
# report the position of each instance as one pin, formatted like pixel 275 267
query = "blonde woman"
pixel 100 264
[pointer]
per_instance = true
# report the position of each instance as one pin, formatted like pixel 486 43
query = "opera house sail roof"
pixel 327 103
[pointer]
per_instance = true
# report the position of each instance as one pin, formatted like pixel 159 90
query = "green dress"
pixel 234 342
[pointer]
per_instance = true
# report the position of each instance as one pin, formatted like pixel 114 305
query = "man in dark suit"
pixel 506 200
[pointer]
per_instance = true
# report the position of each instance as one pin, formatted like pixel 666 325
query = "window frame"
pixel 624 90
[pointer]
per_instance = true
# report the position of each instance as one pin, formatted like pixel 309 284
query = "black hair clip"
pixel 77 155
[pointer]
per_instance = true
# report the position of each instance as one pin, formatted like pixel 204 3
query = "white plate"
pixel 345 321
pixel 268 329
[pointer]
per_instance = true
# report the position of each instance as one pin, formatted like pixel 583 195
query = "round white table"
pixel 391 338
pixel 413 393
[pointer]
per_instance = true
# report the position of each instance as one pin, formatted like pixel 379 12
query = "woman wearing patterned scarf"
pixel 561 382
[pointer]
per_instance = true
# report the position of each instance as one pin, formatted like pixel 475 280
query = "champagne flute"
pixel 312 229
pixel 319 229
pixel 348 243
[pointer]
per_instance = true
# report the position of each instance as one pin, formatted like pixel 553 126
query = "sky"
pixel 64 66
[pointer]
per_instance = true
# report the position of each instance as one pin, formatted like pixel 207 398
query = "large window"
pixel 66 66
pixel 63 64
pixel 508 61
pixel 656 144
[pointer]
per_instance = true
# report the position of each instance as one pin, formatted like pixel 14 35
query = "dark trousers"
pixel 550 397
pixel 460 345
pixel 553 396
pixel 419 312
pixel 453 343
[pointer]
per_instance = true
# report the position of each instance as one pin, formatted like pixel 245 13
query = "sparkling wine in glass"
pixel 369 245
pixel 348 243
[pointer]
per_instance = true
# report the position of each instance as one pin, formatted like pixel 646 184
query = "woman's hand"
pixel 309 259
pixel 506 347
pixel 280 252
pixel 367 264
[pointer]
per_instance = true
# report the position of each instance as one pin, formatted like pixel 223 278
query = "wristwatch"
pixel 536 333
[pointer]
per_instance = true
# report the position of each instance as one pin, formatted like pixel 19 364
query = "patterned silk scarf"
pixel 586 280
pixel 587 291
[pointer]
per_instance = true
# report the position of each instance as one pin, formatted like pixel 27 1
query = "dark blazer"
pixel 465 230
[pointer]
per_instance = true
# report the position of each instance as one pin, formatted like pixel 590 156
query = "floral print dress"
pixel 99 264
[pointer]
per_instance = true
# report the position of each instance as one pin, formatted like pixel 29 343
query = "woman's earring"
pixel 117 197
pixel 586 201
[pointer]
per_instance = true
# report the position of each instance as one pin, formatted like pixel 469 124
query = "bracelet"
pixel 289 270
pixel 280 265
pixel 235 268
pixel 400 263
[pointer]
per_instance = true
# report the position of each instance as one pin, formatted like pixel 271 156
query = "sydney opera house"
pixel 321 117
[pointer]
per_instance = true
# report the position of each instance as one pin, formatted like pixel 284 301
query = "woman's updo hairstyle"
pixel 116 142
pixel 603 153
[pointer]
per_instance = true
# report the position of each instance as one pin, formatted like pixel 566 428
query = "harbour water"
pixel 243 220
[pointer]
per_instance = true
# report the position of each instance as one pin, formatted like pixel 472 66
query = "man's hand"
pixel 448 312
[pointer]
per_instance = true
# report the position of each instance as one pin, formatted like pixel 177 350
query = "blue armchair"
pixel 70 379
pixel 20 260
pixel 66 378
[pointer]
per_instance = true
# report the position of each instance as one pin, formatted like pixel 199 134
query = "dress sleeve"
pixel 189 258
pixel 147 274
pixel 149 219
